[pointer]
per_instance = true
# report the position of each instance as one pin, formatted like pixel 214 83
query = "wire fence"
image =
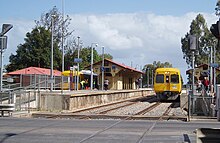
pixel 25 92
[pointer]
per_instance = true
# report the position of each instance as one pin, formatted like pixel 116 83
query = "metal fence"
pixel 25 93
pixel 202 102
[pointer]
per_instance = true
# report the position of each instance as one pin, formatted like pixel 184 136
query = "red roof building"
pixel 34 71
pixel 33 75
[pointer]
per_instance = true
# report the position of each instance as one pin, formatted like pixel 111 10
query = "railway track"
pixel 147 130
pixel 146 110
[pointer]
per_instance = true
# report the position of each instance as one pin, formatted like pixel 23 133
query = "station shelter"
pixel 34 75
pixel 119 75
pixel 202 71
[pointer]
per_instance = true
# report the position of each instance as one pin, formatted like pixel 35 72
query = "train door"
pixel 167 83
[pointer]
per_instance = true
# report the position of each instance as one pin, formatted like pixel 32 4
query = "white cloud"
pixel 137 38
pixel 16 36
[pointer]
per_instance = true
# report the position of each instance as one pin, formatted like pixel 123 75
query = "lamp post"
pixel 51 60
pixel 91 68
pixel 152 78
pixel 62 45
pixel 3 46
pixel 148 77
pixel 214 76
pixel 77 81
pixel 102 68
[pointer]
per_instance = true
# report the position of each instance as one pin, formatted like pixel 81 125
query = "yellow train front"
pixel 167 83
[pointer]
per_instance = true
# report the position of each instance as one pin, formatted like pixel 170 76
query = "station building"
pixel 202 71
pixel 119 75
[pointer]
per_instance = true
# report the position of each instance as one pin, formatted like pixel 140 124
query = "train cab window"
pixel 167 79
pixel 160 78
pixel 175 78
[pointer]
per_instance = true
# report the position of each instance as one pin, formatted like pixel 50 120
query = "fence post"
pixel 218 101
pixel 14 98
pixel 20 100
pixel 9 97
pixel 29 101
pixel 21 80
pixel 1 97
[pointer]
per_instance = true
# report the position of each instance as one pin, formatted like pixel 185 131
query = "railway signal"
pixel 215 29
pixel 193 42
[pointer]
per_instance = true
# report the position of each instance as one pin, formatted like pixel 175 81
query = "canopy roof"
pixel 34 70
pixel 87 72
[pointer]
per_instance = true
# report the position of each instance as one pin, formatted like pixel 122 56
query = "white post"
pixel 102 68
pixel 91 67
pixel 77 82
pixel 51 60
pixel 1 72
pixel 218 101
pixel 211 71
pixel 91 79
pixel 214 76
pixel 62 46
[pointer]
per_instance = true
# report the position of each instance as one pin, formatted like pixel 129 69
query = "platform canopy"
pixel 87 72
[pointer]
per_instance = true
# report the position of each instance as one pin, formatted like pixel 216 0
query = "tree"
pixel 85 55
pixel 35 51
pixel 61 25
pixel 149 69
pixel 61 33
pixel 198 28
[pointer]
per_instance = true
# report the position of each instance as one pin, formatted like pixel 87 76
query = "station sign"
pixel 214 65
pixel 77 60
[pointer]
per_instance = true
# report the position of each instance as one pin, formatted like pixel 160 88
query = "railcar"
pixel 167 83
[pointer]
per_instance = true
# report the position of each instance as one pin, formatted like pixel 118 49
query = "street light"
pixel 102 68
pixel 152 79
pixel 148 77
pixel 62 45
pixel 77 81
pixel 91 79
pixel 51 60
pixel 3 46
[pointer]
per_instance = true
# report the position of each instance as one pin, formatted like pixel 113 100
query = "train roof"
pixel 167 69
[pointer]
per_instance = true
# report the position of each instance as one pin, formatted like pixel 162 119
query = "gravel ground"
pixel 137 107
pixel 130 110
pixel 159 110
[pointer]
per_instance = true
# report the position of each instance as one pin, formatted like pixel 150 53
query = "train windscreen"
pixel 160 78
pixel 174 78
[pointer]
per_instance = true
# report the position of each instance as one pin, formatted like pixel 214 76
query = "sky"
pixel 135 33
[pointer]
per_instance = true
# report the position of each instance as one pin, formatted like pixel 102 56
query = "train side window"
pixel 175 78
pixel 167 79
pixel 160 78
